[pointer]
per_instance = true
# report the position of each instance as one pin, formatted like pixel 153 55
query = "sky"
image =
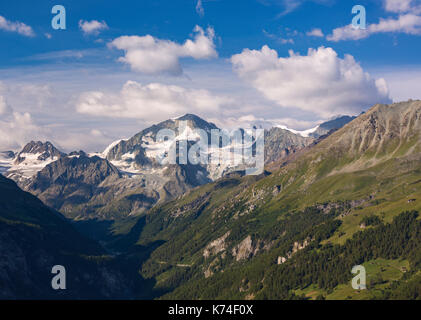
pixel 120 66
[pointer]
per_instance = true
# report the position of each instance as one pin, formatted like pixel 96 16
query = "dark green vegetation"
pixel 296 233
pixel 34 238
pixel 325 266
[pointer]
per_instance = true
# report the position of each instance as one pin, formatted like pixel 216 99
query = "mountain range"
pixel 345 194
pixel 126 179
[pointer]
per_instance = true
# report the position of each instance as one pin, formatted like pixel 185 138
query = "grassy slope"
pixel 377 164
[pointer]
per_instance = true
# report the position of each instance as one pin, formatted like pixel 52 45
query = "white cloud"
pixel 16 128
pixel 93 27
pixel 199 8
pixel 149 55
pixel 25 97
pixel 149 103
pixel 317 32
pixel 400 6
pixel 404 82
pixel 16 26
pixel 348 33
pixel 407 23
pixel 319 82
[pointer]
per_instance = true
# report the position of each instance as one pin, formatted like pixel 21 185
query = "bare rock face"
pixel 245 249
pixel 382 131
pixel 276 190
pixel 297 246
pixel 279 143
pixel 331 125
pixel 216 246
pixel 281 260
pixel 71 180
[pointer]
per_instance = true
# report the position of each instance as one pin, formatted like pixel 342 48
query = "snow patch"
pixel 30 166
pixel 303 133
pixel 104 154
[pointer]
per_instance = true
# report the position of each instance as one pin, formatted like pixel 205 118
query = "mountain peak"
pixel 41 150
pixel 197 121
pixel 337 122
pixel 189 116
pixel 37 146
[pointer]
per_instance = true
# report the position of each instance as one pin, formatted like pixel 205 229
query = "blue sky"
pixel 102 78
pixel 239 23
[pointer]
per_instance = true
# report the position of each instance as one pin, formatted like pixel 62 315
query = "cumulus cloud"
pixel 150 55
pixel 16 26
pixel 404 83
pixel 316 32
pixel 16 128
pixel 150 102
pixel 92 27
pixel 319 82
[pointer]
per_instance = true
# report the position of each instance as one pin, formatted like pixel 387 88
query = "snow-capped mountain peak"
pixel 33 157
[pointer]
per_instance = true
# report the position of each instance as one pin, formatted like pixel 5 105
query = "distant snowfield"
pixel 156 150
pixel 30 166
pixel 5 162
pixel 303 133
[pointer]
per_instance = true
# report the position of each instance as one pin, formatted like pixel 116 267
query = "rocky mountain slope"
pixel 127 178
pixel 330 125
pixel 279 143
pixel 348 199
pixel 242 237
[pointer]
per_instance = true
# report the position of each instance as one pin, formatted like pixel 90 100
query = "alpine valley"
pixel 345 193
